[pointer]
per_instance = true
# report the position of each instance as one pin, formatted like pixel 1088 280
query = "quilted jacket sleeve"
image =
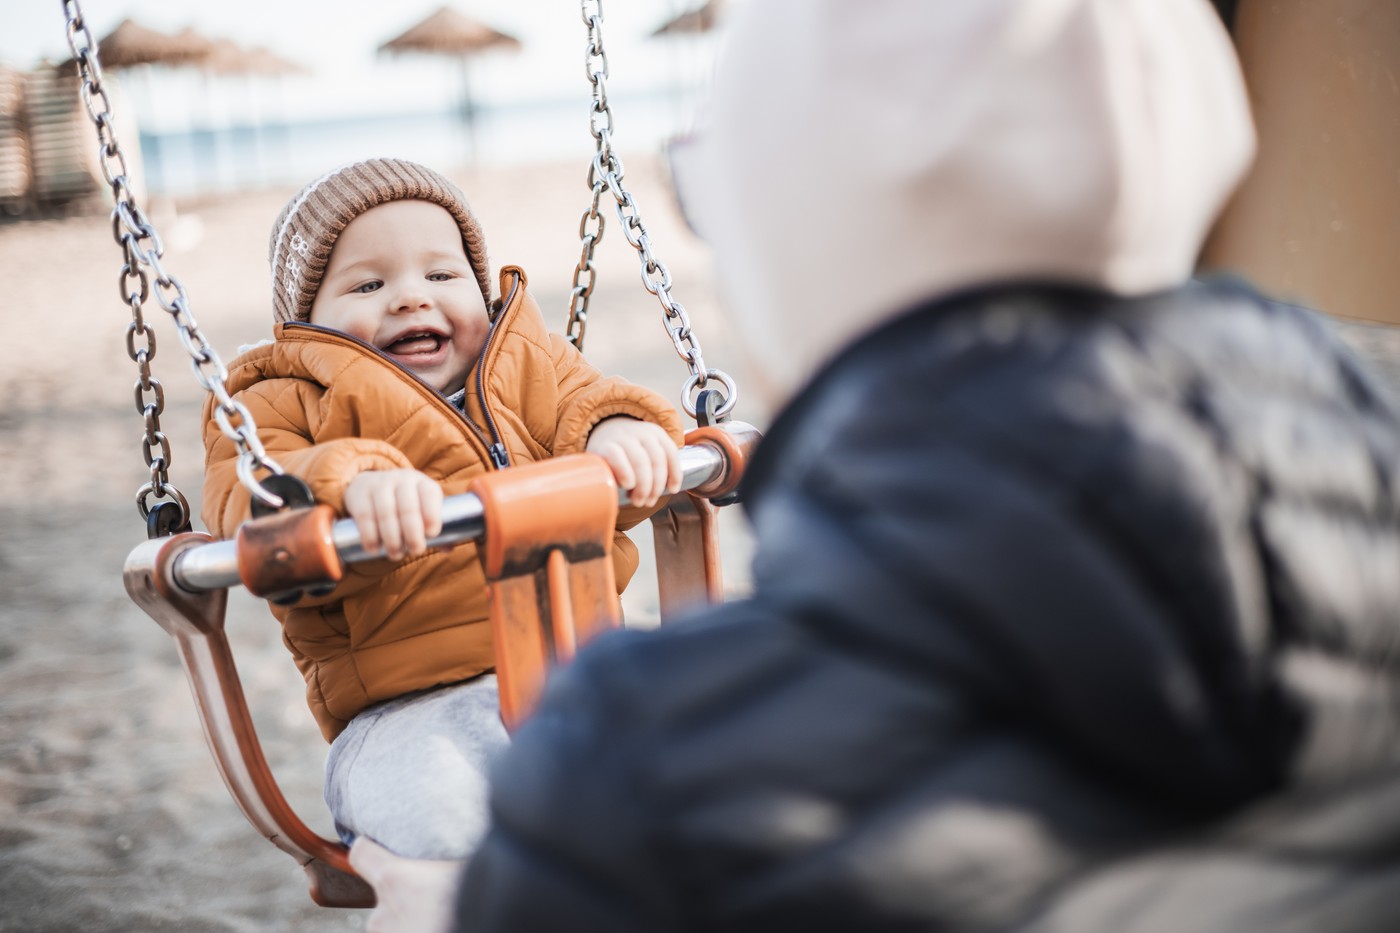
pixel 278 406
pixel 586 397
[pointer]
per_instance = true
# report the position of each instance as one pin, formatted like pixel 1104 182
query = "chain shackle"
pixel 605 173
pixel 142 251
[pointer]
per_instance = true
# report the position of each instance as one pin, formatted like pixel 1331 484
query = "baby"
pixel 396 379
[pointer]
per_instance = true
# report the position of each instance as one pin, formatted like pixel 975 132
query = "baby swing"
pixel 544 529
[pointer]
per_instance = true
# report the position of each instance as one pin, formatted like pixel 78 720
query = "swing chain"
pixel 130 229
pixel 605 174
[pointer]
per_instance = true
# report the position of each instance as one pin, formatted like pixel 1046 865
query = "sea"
pixel 214 159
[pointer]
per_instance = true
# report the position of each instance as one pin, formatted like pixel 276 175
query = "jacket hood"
pixel 861 158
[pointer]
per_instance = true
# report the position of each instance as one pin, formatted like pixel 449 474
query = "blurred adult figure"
pixel 1076 599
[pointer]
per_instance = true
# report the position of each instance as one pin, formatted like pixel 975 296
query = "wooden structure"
pixel 15 170
pixel 62 159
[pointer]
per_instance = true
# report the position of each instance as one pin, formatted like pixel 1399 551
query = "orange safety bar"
pixel 547 554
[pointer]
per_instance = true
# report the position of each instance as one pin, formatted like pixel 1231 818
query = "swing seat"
pixel 546 533
pixel 196 622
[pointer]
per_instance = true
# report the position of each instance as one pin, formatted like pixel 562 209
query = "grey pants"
pixel 411 773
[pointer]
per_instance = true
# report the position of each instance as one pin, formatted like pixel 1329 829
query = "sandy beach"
pixel 112 815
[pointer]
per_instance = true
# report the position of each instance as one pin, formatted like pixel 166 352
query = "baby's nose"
pixel 410 296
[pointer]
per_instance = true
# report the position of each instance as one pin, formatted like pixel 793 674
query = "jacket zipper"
pixel 498 449
pixel 495 447
pixel 475 430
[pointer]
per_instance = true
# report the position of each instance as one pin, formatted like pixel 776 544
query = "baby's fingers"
pixel 650 463
pixel 360 507
pixel 642 467
pixel 665 466
pixel 410 516
pixel 430 500
pixel 419 512
pixel 675 476
pixel 387 514
pixel 617 461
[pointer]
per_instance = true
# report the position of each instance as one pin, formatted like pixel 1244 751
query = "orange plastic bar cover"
pixel 547 555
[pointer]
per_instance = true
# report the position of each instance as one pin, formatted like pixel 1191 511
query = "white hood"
pixel 865 156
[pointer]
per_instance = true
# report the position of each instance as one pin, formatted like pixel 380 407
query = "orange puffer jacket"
pixel 328 406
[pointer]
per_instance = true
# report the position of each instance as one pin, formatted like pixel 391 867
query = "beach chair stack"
pixel 15 173
pixel 65 174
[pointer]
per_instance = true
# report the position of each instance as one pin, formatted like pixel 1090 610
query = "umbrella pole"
pixel 468 112
pixel 155 158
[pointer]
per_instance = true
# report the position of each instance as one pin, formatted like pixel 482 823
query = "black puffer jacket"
pixel 1070 613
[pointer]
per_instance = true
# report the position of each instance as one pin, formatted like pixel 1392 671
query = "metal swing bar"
pixel 216 565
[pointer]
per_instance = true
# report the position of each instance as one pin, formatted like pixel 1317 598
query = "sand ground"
pixel 112 815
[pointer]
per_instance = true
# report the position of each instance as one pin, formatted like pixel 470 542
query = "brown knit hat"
pixel 307 228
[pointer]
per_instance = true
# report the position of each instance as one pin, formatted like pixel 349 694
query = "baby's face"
pixel 399 279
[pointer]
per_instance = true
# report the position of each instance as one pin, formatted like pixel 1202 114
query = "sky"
pixel 349 78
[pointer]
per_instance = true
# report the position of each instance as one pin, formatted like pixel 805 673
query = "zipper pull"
pixel 498 456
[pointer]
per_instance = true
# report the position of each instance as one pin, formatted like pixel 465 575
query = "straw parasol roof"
pixel 225 57
pixel 447 32
pixel 264 62
pixel 701 19
pixel 131 44
pixel 200 47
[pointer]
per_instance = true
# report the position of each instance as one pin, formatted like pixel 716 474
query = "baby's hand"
pixel 396 509
pixel 644 461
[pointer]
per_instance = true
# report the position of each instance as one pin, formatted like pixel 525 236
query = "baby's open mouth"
pixel 415 343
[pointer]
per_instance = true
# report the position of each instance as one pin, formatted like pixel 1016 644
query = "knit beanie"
pixel 306 230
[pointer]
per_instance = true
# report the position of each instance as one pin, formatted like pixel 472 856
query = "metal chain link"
pixel 605 174
pixel 131 229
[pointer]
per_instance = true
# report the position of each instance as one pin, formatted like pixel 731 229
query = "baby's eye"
pixel 440 276
pixel 368 287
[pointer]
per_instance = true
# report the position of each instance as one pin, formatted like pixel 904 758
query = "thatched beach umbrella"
pixel 261 61
pixel 198 47
pixel 690 61
pixel 449 33
pixel 132 47
pixel 701 19
pixel 132 44
pixel 226 59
